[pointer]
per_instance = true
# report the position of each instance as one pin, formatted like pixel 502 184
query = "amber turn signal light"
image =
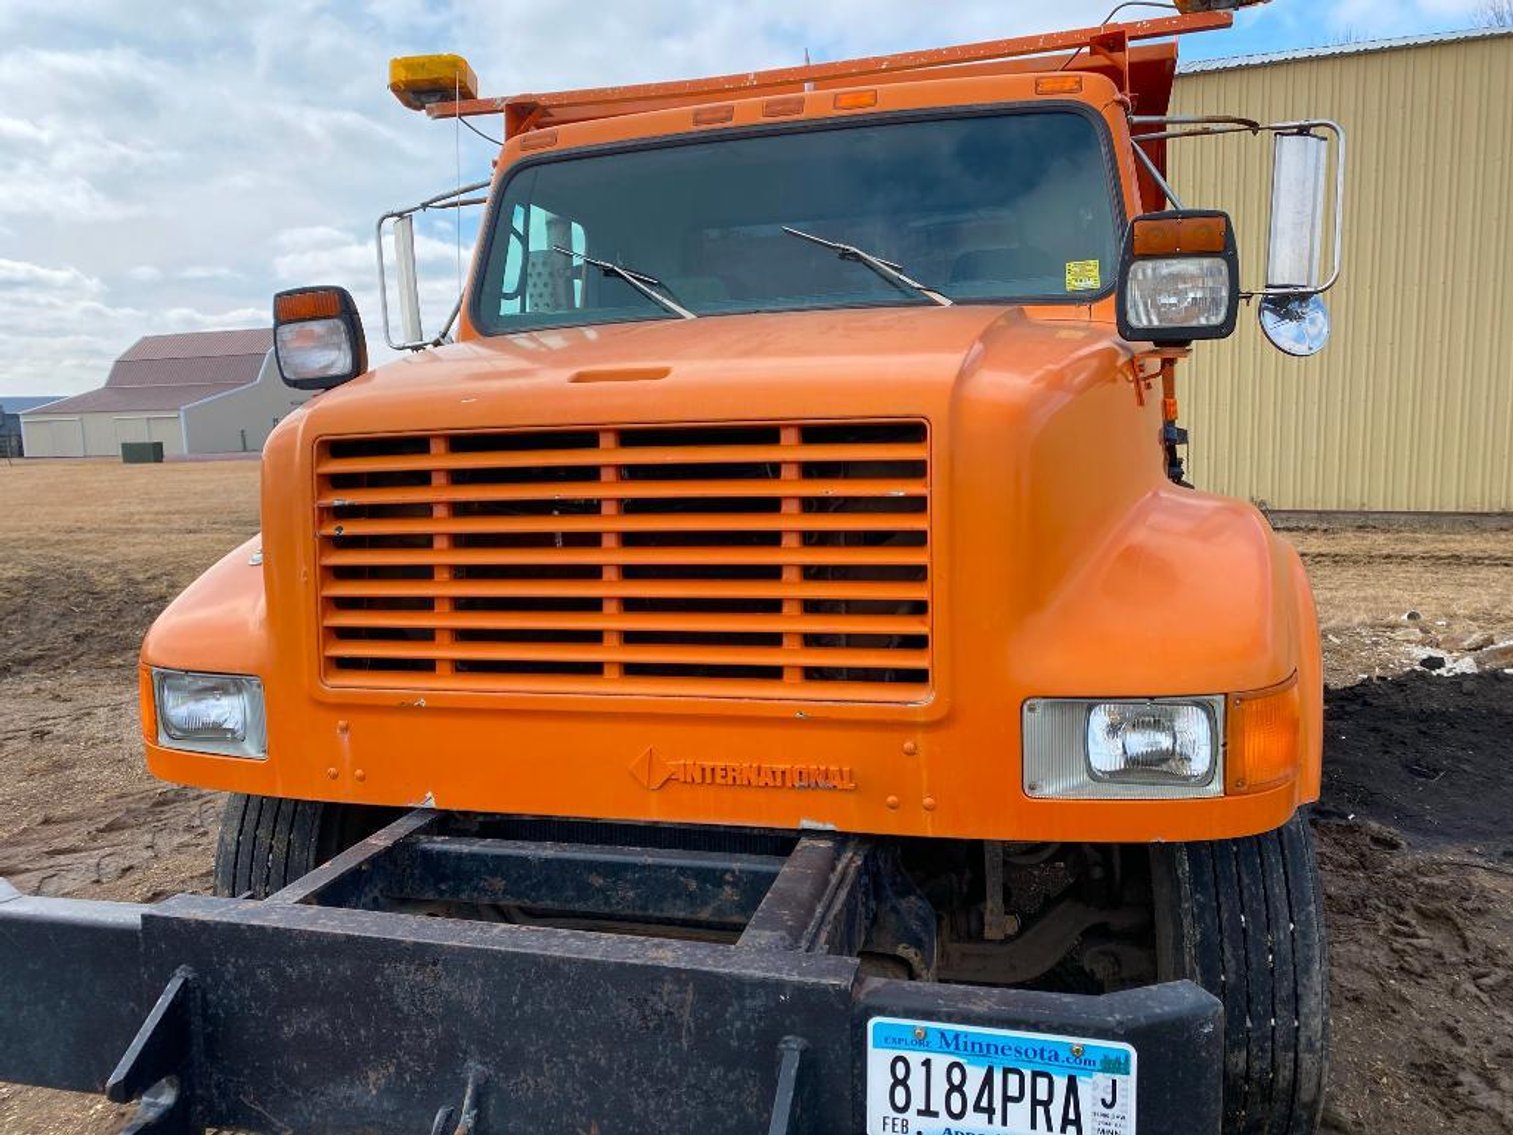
pixel 306 303
pixel 1265 730
pixel 1169 236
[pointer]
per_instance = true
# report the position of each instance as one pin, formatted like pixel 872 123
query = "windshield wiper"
pixel 643 283
pixel 889 271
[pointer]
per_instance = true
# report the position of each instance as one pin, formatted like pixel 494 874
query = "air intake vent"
pixel 766 561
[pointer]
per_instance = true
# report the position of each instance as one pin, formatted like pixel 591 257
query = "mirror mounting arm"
pixel 1209 126
pixel 414 338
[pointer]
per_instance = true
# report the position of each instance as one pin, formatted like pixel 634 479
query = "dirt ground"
pixel 1414 827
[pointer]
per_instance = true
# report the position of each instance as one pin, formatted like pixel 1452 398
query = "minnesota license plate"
pixel 929 1078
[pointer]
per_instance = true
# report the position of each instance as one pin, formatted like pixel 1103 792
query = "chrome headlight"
pixel 210 713
pixel 1125 749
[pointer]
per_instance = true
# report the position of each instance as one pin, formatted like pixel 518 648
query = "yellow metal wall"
pixel 1410 407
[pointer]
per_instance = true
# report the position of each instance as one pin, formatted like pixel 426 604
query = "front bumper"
pixel 290 1016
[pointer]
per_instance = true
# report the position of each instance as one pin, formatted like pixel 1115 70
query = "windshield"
pixel 991 207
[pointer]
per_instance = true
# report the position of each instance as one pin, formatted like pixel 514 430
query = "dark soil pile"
pixel 1431 757
pixel 1416 845
pixel 69 617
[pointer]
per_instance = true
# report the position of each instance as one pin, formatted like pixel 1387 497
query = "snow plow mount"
pixel 723 981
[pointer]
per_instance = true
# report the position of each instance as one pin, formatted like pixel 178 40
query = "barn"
pixel 196 393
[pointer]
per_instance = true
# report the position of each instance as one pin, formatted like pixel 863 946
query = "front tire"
pixel 1244 918
pixel 267 842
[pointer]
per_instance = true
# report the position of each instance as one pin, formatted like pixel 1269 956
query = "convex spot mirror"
pixel 318 338
pixel 1179 277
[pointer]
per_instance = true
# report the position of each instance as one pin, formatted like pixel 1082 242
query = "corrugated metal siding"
pixel 1410 407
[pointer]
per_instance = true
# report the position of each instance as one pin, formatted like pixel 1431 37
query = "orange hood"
pixel 852 363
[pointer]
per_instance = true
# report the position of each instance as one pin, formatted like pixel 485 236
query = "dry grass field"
pixel 1417 866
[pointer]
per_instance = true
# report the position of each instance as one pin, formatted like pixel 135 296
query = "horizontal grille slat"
pixel 723 556
pixel 654 522
pixel 782 560
pixel 622 490
pixel 688 622
pixel 882 592
pixel 750 688
pixel 637 455
pixel 668 655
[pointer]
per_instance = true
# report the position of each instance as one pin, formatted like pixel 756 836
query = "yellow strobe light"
pixel 1188 7
pixel 420 80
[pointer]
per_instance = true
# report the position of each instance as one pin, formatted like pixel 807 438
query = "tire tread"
pixel 1244 919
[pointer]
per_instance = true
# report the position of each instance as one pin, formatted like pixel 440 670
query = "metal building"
pixel 202 392
pixel 11 408
pixel 1410 407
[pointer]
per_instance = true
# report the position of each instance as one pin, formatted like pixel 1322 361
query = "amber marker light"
pixel 1059 85
pixel 782 107
pixel 539 140
pixel 855 100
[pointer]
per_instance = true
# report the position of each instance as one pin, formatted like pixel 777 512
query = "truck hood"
pixel 812 364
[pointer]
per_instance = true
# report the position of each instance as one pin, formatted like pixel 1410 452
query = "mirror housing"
pixel 1179 277
pixel 1299 186
pixel 318 338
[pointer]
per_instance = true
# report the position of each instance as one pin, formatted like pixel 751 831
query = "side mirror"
pixel 1179 277
pixel 412 336
pixel 318 338
pixel 407 280
pixel 1293 315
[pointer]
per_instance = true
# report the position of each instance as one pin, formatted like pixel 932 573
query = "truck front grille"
pixel 776 560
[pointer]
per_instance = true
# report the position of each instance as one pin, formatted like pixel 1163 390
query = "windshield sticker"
pixel 1083 276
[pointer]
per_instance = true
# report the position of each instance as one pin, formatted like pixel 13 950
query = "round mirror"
pixel 1298 325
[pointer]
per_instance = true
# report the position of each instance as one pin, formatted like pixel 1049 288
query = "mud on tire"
pixel 267 842
pixel 1244 918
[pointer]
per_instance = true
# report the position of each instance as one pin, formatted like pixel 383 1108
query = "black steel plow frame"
pixel 335 1006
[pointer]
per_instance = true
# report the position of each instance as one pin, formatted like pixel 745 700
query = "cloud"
pixel 207 272
pixel 20 274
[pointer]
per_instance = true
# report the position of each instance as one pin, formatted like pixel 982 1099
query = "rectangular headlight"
pixel 1124 749
pixel 1177 291
pixel 210 713
pixel 314 349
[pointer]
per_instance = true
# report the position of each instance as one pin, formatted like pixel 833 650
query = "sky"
pixel 167 167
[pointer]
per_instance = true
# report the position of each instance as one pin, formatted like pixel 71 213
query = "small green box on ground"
pixel 141 452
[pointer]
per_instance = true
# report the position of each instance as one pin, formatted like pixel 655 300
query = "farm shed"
pixel 202 392
pixel 11 409
pixel 1410 406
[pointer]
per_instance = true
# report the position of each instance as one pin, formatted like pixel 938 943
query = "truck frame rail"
pixel 650 979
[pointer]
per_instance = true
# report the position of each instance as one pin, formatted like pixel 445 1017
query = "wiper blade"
pixel 643 283
pixel 888 270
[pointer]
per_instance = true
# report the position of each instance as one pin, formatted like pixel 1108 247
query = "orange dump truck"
pixel 759 667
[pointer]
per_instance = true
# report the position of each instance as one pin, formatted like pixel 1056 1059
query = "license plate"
pixel 930 1078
